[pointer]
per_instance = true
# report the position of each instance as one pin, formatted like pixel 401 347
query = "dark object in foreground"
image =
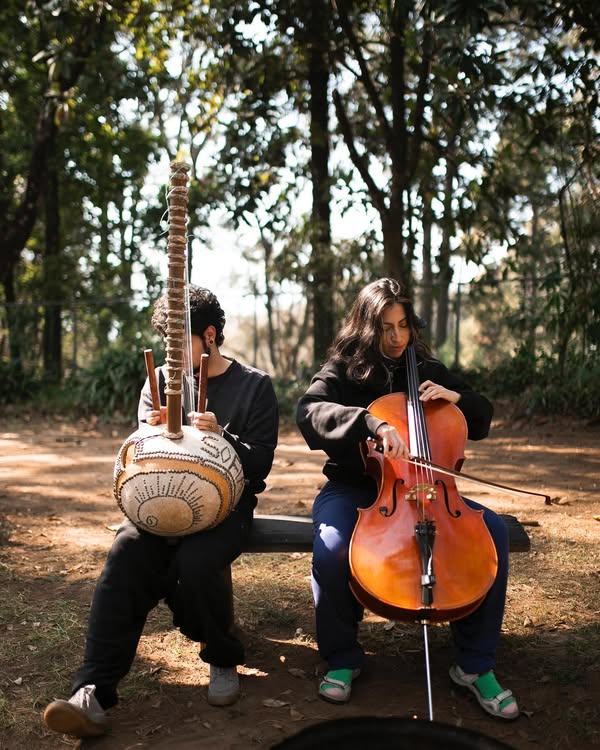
pixel 387 733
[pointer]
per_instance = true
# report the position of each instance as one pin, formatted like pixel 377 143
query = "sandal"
pixel 336 686
pixel 490 696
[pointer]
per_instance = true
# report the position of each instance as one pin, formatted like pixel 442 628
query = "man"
pixel 142 568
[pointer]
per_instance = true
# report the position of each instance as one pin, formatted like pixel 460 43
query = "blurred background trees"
pixel 451 145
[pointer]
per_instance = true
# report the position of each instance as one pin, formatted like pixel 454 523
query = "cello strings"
pixel 414 436
pixel 422 443
pixel 417 420
pixel 424 448
pixel 188 372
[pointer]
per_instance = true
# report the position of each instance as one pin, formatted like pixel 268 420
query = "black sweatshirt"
pixel 333 414
pixel 244 402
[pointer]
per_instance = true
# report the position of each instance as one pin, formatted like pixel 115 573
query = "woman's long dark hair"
pixel 357 344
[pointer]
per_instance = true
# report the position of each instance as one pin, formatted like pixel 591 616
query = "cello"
pixel 419 553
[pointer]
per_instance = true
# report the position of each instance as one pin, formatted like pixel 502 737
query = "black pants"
pixel 140 570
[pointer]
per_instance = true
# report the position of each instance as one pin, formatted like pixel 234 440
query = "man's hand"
pixel 204 420
pixel 157 417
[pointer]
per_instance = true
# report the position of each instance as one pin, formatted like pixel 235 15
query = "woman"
pixel 367 360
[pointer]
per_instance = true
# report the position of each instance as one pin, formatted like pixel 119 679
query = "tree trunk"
pixel 16 229
pixel 12 318
pixel 322 261
pixel 52 339
pixel 531 283
pixel 395 263
pixel 104 271
pixel 445 252
pixel 426 306
pixel 274 351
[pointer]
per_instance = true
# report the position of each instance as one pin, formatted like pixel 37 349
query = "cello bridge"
pixel 421 491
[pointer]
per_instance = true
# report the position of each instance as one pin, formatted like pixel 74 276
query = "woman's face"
pixel 396 331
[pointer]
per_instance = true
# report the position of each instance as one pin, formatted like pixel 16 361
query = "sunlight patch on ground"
pixel 88 536
pixel 54 459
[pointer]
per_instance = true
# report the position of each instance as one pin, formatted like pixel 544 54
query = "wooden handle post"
pixel 202 382
pixel 149 359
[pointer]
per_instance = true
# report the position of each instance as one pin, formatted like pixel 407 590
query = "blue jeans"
pixel 338 612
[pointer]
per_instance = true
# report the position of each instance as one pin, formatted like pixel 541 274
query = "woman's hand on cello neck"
pixel 431 391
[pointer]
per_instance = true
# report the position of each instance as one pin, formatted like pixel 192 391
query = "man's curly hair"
pixel 205 311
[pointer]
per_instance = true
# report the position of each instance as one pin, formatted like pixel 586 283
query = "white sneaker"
pixel 80 716
pixel 224 686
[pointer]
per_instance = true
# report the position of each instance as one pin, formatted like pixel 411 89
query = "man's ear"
pixel 210 335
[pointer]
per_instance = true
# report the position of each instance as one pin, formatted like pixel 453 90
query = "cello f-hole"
pixel 457 513
pixel 383 509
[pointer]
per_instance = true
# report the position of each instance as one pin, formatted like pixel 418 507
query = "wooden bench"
pixel 295 534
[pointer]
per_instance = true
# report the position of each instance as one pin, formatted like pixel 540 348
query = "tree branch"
pixel 359 161
pixel 422 89
pixel 366 79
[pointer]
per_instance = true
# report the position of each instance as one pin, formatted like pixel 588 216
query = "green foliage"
pixel 99 97
pixel 576 394
pixel 18 383
pixel 533 384
pixel 515 374
pixel 110 387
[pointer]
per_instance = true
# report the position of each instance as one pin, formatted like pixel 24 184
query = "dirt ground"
pixel 56 494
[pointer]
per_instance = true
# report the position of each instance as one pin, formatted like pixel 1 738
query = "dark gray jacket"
pixel 333 414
